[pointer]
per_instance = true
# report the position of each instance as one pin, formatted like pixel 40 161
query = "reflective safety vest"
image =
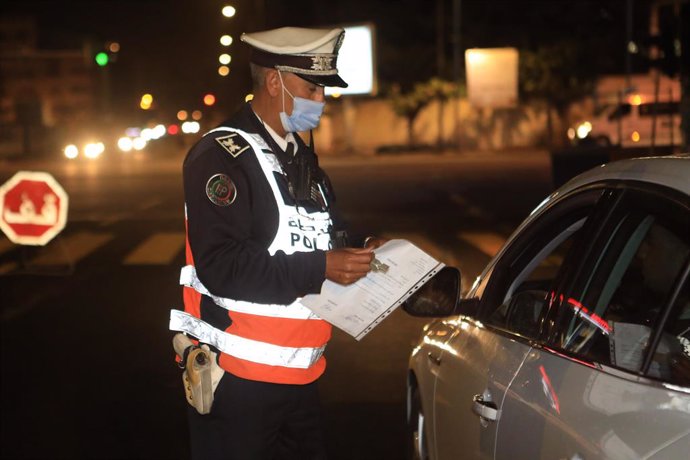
pixel 264 342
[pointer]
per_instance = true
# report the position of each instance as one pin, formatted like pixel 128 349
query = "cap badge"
pixel 228 143
pixel 322 63
pixel 221 190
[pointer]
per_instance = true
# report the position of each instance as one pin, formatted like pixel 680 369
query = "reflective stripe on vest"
pixel 247 349
pixel 295 310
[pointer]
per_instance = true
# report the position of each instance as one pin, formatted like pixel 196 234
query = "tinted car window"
pixel 623 292
pixel 523 305
pixel 671 358
pixel 521 281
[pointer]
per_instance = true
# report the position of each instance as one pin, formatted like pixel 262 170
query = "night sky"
pixel 170 47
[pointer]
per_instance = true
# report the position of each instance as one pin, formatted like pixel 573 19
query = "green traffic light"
pixel 102 59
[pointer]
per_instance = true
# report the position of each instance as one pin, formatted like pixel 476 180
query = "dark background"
pixel 170 47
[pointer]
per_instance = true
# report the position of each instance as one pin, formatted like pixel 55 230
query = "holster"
pixel 201 372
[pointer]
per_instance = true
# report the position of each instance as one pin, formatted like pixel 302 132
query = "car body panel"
pixel 485 366
pixel 575 410
pixel 669 171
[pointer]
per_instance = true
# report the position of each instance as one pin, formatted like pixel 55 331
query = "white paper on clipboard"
pixel 359 307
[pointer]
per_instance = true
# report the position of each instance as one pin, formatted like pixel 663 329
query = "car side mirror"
pixel 440 296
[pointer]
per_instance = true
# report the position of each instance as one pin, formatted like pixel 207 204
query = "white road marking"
pixel 158 249
pixel 71 249
pixel 487 242
pixel 6 245
pixel 152 203
pixel 7 267
pixel 469 209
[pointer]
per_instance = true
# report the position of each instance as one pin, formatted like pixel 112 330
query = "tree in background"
pixel 409 104
pixel 441 91
pixel 556 75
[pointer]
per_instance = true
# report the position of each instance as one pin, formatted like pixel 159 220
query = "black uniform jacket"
pixel 229 242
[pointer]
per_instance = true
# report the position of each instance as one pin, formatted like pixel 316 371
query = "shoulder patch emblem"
pixel 234 144
pixel 221 190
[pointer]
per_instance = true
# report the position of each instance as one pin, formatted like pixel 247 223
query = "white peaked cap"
pixel 310 53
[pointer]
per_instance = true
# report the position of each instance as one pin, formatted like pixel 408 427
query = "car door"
pixel 483 354
pixel 611 377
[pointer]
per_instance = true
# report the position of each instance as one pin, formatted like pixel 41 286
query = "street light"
pixel 223 71
pixel 146 101
pixel 224 59
pixel 229 11
pixel 226 40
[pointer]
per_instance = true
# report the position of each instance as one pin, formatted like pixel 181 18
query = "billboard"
pixel 492 77
pixel 356 61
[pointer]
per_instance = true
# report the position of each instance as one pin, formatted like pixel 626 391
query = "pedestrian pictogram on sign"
pixel 33 208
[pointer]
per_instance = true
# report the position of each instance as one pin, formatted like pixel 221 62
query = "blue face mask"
pixel 305 115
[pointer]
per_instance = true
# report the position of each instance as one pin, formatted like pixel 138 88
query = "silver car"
pixel 574 343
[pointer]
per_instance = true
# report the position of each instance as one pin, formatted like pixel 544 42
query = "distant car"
pixel 639 123
pixel 574 343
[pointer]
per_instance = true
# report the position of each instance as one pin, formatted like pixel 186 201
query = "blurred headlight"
pixel 71 151
pixel 158 132
pixel 94 150
pixel 147 134
pixel 125 144
pixel 139 143
pixel 190 127
pixel 583 129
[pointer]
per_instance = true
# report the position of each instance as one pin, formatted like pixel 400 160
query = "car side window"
pixel 620 298
pixel 670 361
pixel 524 277
pixel 527 295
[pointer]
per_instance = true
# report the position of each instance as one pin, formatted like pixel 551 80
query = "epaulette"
pixel 233 143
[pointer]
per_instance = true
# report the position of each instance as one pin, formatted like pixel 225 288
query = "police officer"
pixel 261 233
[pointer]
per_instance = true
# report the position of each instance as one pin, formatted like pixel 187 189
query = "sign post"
pixel 33 208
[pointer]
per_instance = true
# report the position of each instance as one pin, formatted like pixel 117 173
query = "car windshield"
pixel 620 111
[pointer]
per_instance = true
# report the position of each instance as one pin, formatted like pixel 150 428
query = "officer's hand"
pixel 347 265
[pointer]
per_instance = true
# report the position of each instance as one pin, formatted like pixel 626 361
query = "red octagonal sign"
pixel 33 208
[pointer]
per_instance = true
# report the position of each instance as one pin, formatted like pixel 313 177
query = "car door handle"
pixel 434 359
pixel 485 409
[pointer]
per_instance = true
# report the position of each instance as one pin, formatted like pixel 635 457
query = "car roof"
pixel 672 171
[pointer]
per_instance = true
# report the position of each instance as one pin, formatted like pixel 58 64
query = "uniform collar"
pixel 281 141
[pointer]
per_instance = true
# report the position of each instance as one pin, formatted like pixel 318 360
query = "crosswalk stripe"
pixel 487 242
pixel 426 245
pixel 71 249
pixel 146 205
pixel 158 249
pixel 469 208
pixel 7 267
